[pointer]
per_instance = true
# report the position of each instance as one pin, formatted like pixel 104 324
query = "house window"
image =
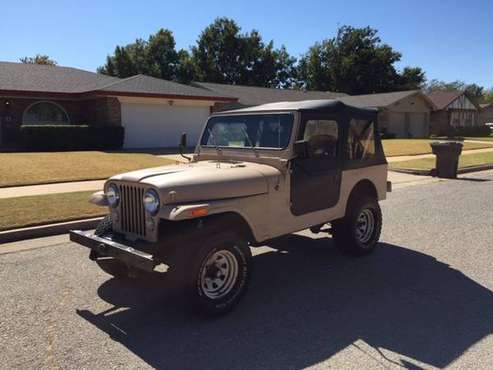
pixel 45 113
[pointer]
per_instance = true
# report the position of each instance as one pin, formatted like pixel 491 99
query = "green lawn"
pixel 466 160
pixel 43 168
pixel 398 147
pixel 46 209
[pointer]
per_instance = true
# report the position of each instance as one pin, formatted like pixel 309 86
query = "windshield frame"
pixel 243 114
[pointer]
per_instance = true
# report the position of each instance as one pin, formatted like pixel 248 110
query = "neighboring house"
pixel 453 109
pixel 252 95
pixel 153 111
pixel 403 113
pixel 486 113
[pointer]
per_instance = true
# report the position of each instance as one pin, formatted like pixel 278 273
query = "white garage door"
pixel 160 126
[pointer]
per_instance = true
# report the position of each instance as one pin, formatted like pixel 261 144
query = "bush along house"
pixel 51 107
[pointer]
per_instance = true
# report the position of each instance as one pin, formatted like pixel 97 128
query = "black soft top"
pixel 311 106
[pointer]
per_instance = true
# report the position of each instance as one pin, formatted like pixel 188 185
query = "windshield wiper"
pixel 247 137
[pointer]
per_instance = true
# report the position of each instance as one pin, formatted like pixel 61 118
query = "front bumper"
pixel 109 248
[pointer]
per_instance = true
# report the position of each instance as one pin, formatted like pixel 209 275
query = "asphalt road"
pixel 423 299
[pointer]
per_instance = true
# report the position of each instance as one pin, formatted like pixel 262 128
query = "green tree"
pixel 156 56
pixel 488 96
pixel 356 61
pixel 39 59
pixel 225 55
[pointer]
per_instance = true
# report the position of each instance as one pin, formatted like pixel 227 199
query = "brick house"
pixel 453 109
pixel 153 111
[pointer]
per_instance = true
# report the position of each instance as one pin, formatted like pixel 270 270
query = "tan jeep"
pixel 256 174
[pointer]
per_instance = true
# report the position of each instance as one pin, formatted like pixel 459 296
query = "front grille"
pixel 132 212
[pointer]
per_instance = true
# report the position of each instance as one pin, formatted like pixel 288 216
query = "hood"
pixel 204 180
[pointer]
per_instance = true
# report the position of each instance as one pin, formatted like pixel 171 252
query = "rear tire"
pixel 220 274
pixel 359 231
pixel 110 265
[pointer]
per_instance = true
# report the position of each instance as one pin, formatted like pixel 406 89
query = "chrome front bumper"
pixel 109 248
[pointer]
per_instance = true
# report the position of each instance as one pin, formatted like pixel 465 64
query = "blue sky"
pixel 449 39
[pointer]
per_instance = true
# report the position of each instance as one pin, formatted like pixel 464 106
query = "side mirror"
pixel 183 146
pixel 183 141
pixel 300 148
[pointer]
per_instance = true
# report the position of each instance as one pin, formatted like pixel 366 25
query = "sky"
pixel 450 40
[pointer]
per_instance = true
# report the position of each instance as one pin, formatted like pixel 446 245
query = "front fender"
pixel 99 199
pixel 180 212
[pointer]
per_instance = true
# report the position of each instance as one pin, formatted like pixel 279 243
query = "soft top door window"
pixel 322 137
pixel 361 140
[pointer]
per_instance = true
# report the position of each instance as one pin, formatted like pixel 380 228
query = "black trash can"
pixel 447 161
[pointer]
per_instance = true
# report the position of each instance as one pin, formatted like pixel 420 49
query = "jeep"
pixel 256 174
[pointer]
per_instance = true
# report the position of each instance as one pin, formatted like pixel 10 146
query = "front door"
pixel 316 178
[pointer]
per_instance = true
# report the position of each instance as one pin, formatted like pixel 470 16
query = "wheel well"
pixel 231 221
pixel 364 187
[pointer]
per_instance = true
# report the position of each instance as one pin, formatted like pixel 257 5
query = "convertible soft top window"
pixel 244 131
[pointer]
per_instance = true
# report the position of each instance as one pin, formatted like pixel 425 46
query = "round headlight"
pixel 113 195
pixel 151 201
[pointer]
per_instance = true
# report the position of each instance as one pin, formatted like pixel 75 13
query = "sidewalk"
pixel 419 156
pixel 63 187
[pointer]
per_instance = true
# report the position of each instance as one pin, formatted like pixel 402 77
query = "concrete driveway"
pixel 423 300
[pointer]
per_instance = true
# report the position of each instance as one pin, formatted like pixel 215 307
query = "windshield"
pixel 257 130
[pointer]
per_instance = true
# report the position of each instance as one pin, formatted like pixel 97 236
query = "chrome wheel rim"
pixel 365 226
pixel 218 274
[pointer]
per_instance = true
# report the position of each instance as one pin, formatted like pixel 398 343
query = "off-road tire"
pixel 351 240
pixel 111 266
pixel 233 249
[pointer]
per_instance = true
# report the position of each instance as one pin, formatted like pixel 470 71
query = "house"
pixel 453 109
pixel 486 113
pixel 403 113
pixel 249 96
pixel 154 112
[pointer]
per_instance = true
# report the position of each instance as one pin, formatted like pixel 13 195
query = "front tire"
pixel 359 231
pixel 220 274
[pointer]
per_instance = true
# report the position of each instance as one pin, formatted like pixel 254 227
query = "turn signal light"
pixel 199 212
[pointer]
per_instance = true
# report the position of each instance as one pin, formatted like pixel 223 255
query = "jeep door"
pixel 316 176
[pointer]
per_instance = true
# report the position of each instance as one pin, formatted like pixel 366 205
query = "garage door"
pixel 418 125
pixel 408 124
pixel 160 126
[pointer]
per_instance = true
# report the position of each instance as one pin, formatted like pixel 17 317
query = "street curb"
pixel 412 172
pixel 460 171
pixel 475 168
pixel 47 230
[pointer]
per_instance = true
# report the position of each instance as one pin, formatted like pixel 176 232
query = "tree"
pixel 155 57
pixel 488 96
pixel 356 61
pixel 39 59
pixel 225 55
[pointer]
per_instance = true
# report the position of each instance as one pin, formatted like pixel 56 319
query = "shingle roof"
pixel 141 84
pixel 44 78
pixel 54 79
pixel 442 99
pixel 380 100
pixel 253 95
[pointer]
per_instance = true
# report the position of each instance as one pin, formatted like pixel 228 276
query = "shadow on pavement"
pixel 305 304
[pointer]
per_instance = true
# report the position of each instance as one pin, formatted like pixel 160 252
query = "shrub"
pixel 71 137
pixel 478 131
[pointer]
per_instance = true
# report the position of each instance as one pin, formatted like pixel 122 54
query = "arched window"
pixel 45 113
